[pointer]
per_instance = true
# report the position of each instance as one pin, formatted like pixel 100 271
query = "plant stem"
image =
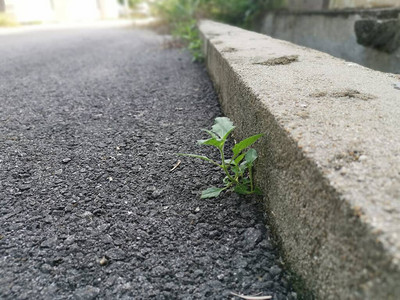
pixel 251 178
pixel 221 150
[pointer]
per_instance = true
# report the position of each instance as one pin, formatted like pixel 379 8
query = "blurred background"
pixel 41 11
pixel 231 11
pixel 362 31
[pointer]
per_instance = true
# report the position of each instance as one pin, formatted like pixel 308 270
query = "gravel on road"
pixel 90 123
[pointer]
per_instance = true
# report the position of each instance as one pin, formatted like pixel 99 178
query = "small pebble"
pixel 87 214
pixel 362 158
pixel 103 261
pixel 24 187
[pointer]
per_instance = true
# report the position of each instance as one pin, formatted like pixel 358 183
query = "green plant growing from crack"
pixel 239 168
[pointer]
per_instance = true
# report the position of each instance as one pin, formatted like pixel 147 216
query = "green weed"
pixel 189 34
pixel 182 16
pixel 131 3
pixel 239 168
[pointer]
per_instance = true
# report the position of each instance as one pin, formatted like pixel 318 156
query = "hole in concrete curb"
pixel 347 93
pixel 318 94
pixel 213 35
pixel 283 60
pixel 229 50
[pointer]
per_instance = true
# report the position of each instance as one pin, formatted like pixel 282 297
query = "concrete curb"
pixel 330 162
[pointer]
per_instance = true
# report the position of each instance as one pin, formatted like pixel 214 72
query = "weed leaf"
pixel 211 133
pixel 239 159
pixel 223 127
pixel 250 156
pixel 211 192
pixel 242 189
pixel 228 161
pixel 242 167
pixel 239 147
pixel 211 142
pixel 237 170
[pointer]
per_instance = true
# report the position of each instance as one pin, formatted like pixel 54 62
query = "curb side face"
pixel 328 162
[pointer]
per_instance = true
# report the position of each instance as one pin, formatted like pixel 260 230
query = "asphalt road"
pixel 90 120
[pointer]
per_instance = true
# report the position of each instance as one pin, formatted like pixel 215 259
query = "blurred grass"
pixel 182 16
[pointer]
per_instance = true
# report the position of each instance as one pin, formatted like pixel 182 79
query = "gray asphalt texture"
pixel 90 121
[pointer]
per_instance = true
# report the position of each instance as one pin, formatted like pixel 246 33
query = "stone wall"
pixel 307 5
pixel 339 4
pixel 370 37
pixel 312 5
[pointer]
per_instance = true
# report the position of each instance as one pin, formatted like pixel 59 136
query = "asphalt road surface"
pixel 90 120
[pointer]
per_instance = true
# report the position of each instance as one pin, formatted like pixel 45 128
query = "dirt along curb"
pixel 330 162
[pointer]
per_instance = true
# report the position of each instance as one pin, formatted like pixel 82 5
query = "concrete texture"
pixel 330 162
pixel 339 4
pixel 306 5
pixel 317 5
pixel 336 33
